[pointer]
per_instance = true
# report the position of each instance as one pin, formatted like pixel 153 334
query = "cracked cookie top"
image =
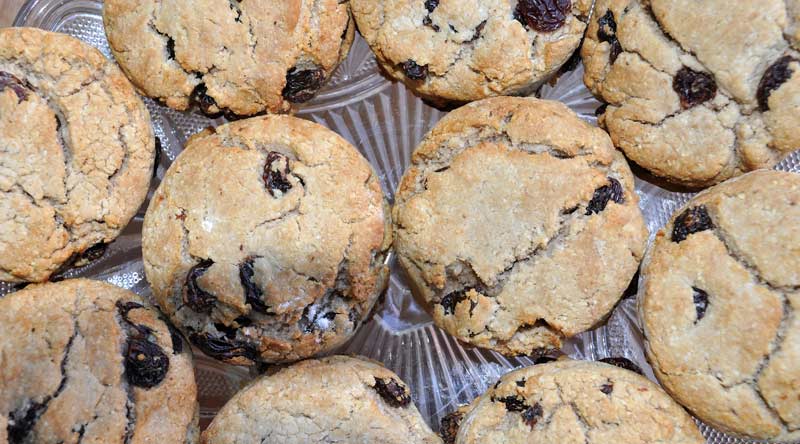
pixel 86 361
pixel 697 92
pixel 518 223
pixel 231 56
pixel 266 240
pixel 721 302
pixel 576 402
pixel 76 152
pixel 463 50
pixel 334 399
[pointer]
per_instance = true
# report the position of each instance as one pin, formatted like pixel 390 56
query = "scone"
pixel 237 57
pixel 76 152
pixel 334 399
pixel 576 402
pixel 464 50
pixel 518 223
pixel 697 92
pixel 720 306
pixel 85 361
pixel 266 240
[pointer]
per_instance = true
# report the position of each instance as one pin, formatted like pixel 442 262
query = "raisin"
pixel 394 393
pixel 450 300
pixel 430 5
pixel 276 173
pixel 301 85
pixel 171 48
pixel 513 403
pixel 223 348
pixel 625 363
pixel 449 426
pixel 612 191
pixel 252 294
pixel 532 415
pixel 542 15
pixel 607 32
pixel 521 382
pixel 694 87
pixel 607 388
pixel 206 103
pixel 309 323
pixel 146 365
pixel 196 298
pixel 176 338
pixel 22 421
pixel 700 298
pixel 20 88
pixel 428 22
pixel 775 76
pixel 414 71
pixel 691 221
pixel 476 34
pixel 124 307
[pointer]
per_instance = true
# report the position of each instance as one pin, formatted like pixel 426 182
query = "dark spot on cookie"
pixel 21 89
pixel 476 34
pixel 607 388
pixel 691 221
pixel 393 392
pixel 22 421
pixel 146 364
pixel 276 173
pixel 542 15
pixel 252 293
pixel 222 347
pixel 775 76
pixel 532 415
pixel 414 71
pixel 607 32
pixel 601 110
pixel 612 191
pixel 171 48
pixel 428 22
pixel 700 299
pixel 625 363
pixel 449 426
pixel 195 297
pixel 176 338
pixel 521 383
pixel 430 5
pixel 450 300
pixel 302 84
pixel 513 403
pixel 694 87
pixel 205 102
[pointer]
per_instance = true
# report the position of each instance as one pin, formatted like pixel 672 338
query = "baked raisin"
pixel 276 173
pixel 449 426
pixel 700 298
pixel 22 421
pixel 694 87
pixel 196 298
pixel 205 102
pixel 20 88
pixel 428 22
pixel 394 393
pixel 222 347
pixel 450 300
pixel 607 32
pixel 775 76
pixel 146 364
pixel 542 15
pixel 171 47
pixel 691 221
pixel 414 71
pixel 607 388
pixel 513 403
pixel 302 84
pixel 532 415
pixel 176 338
pixel 625 363
pixel 521 382
pixel 252 293
pixel 612 191
pixel 430 5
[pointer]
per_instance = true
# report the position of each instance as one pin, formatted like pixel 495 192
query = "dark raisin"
pixel 521 383
pixel 428 22
pixel 430 5
pixel 612 191
pixel 607 32
pixel 478 31
pixel 206 103
pixel 196 298
pixel 252 293
pixel 542 15
pixel 146 365
pixel 414 71
pixel 513 403
pixel 450 300
pixel 694 87
pixel 532 415
pixel 700 298
pixel 775 76
pixel 171 48
pixel 625 363
pixel 691 221
pixel 301 85
pixel 20 88
pixel 222 347
pixel 276 173
pixel 601 110
pixel 124 307
pixel 22 421
pixel 607 388
pixel 176 338
pixel 449 427
pixel 394 393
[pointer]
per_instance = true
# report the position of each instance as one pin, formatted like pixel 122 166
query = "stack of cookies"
pixel 267 241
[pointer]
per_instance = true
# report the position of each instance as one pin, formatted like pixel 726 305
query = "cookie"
pixel 266 240
pixel 241 58
pixel 85 361
pixel 464 50
pixel 518 223
pixel 697 92
pixel 576 402
pixel 334 399
pixel 720 305
pixel 76 152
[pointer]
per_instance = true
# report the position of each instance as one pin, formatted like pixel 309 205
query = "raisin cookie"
pixel 266 240
pixel 237 57
pixel 518 223
pixel 463 50
pixel 85 361
pixel 576 402
pixel 76 152
pixel 331 400
pixel 697 92
pixel 720 305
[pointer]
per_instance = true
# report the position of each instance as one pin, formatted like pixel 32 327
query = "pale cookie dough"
pixel 333 400
pixel 237 57
pixel 518 223
pixel 266 241
pixel 697 92
pixel 463 50
pixel 86 361
pixel 76 152
pixel 720 305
